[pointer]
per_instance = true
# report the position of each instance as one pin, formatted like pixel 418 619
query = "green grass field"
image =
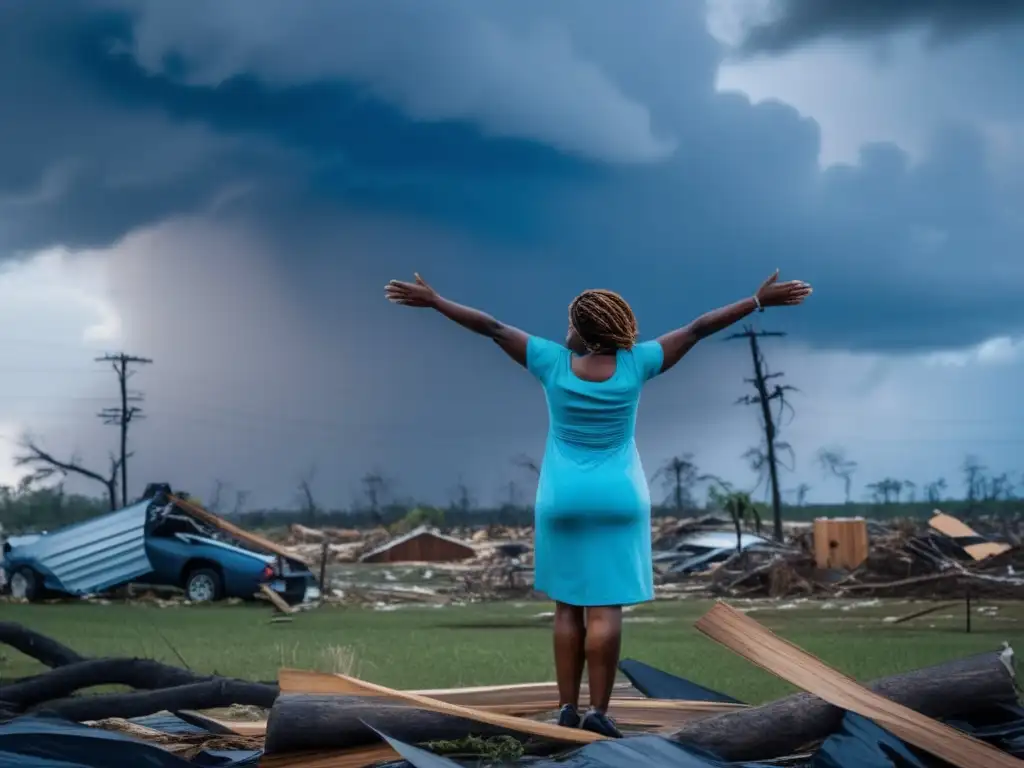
pixel 424 647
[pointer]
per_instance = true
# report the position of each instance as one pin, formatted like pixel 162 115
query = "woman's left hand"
pixel 417 294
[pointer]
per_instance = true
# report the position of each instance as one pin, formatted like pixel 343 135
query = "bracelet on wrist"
pixel 757 303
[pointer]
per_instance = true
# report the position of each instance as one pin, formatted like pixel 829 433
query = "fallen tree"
pixel 786 726
pixel 300 722
pixel 158 687
pixel 43 649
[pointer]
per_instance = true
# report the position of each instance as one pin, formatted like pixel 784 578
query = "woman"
pixel 593 508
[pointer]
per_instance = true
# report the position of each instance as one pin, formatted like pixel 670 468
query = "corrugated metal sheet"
pixel 94 555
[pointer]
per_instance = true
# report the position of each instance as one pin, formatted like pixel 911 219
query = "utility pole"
pixel 127 412
pixel 763 398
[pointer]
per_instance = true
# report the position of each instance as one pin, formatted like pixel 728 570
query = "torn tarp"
pixel 655 684
pixel 46 742
pixel 860 743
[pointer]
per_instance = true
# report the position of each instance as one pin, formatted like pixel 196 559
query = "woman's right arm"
pixel 677 343
pixel 511 340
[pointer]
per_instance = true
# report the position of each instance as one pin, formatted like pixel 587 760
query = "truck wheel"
pixel 204 585
pixel 25 585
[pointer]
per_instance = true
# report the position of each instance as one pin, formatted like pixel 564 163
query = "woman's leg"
pixel 570 634
pixel 603 643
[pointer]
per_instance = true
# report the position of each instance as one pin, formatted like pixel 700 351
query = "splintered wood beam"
pixel 276 600
pixel 239 533
pixel 290 680
pixel 741 634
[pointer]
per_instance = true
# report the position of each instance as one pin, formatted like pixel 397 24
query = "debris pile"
pixel 313 719
pixel 943 559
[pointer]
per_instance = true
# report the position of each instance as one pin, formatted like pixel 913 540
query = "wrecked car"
pixel 162 540
pixel 701 550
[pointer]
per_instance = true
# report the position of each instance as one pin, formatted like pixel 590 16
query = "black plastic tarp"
pixel 46 742
pixel 655 684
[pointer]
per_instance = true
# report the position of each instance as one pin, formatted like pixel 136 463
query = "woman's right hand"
pixel 417 294
pixel 772 293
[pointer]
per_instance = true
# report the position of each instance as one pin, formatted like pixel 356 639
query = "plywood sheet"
pixel 957 529
pixel 295 681
pixel 756 643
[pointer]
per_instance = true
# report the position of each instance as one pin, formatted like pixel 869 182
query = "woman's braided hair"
pixel 603 320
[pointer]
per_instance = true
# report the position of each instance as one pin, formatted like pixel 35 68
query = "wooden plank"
pixel 242 535
pixel 293 681
pixel 473 696
pixel 756 643
pixel 276 600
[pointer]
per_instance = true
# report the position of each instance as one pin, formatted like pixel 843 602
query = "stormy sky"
pixel 225 188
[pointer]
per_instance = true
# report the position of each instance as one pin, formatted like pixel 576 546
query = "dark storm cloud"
pixel 797 22
pixel 740 193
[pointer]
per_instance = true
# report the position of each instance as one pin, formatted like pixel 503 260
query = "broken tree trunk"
pixel 785 726
pixel 212 694
pixel 39 647
pixel 301 722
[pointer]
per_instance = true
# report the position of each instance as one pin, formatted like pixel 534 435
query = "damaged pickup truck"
pixel 162 540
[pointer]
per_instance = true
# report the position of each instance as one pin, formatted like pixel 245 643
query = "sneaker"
pixel 569 716
pixel 599 722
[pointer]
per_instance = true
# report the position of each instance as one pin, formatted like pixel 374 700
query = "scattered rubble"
pixel 311 719
pixel 905 559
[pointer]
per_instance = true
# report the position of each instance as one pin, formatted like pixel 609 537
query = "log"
pixel 785 726
pixel 307 722
pixel 212 694
pixel 39 647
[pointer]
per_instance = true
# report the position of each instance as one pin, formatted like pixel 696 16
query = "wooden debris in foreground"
pixel 351 686
pixel 759 645
pixel 787 725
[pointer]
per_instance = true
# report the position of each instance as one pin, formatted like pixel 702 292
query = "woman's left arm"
pixel 511 340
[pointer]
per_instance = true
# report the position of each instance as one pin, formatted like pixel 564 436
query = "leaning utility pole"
pixel 763 398
pixel 126 413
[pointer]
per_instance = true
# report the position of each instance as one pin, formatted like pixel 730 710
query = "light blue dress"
pixel 593 509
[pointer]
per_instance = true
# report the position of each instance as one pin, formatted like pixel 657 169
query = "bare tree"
pixel 679 474
pixel 801 492
pixel 528 463
pixel 307 502
pixel 974 479
pixel 375 486
pixel 241 497
pixel 45 466
pixel 934 490
pixel 910 487
pixel 216 496
pixel 461 498
pixel 763 398
pixel 124 415
pixel 835 462
pixel 999 487
pixel 886 490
